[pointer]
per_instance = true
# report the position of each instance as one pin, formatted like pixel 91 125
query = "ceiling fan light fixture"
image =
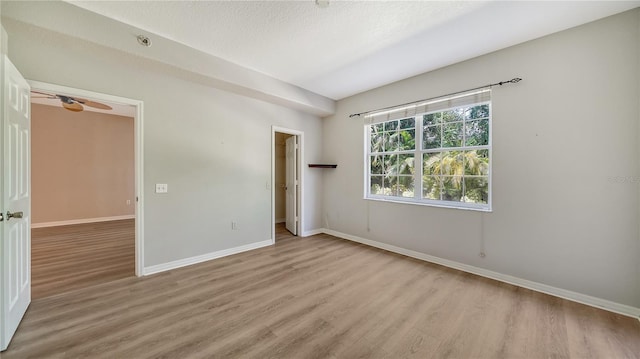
pixel 75 107
pixel 144 41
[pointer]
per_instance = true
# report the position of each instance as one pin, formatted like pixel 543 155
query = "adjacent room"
pixel 320 179
pixel 82 184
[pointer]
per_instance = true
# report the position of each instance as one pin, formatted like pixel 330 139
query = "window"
pixel 436 153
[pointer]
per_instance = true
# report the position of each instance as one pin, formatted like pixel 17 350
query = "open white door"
pixel 291 212
pixel 15 243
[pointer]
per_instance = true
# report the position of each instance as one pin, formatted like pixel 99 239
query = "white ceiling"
pixel 351 46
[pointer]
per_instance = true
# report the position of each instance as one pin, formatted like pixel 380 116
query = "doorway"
pixel 86 180
pixel 287 183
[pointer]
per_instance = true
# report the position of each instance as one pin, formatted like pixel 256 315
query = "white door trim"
pixel 138 147
pixel 300 169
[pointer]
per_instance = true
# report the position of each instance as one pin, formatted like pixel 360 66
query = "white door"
pixel 15 243
pixel 291 213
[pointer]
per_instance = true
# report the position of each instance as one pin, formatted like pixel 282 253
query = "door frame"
pixel 300 175
pixel 138 160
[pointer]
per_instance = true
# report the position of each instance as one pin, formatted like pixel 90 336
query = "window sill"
pixel 427 204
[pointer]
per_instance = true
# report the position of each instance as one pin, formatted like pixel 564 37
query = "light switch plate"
pixel 162 188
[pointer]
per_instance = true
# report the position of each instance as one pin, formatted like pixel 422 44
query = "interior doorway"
pixel 287 154
pixel 280 183
pixel 85 179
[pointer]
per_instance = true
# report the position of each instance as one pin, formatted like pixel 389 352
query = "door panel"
pixel 15 244
pixel 291 185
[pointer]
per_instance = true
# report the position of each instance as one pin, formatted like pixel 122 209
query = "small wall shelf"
pixel 321 165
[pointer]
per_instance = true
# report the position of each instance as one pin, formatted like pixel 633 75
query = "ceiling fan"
pixel 74 104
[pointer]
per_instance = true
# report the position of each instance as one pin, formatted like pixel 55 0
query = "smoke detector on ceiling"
pixel 144 41
pixel 322 3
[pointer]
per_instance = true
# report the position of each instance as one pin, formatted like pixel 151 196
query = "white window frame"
pixel 418 170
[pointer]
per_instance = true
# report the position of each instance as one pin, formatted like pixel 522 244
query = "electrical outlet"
pixel 234 225
pixel 128 202
pixel 162 188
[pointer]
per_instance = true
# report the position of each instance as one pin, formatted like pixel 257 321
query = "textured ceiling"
pixel 351 46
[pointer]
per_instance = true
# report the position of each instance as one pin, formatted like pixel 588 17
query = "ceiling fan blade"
pixel 44 93
pixel 93 104
pixel 75 107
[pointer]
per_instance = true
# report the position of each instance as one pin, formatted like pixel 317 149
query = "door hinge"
pixel 136 198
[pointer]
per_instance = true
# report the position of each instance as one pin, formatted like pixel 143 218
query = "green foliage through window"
pixel 450 149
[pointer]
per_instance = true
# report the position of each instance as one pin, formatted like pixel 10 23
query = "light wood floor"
pixel 318 297
pixel 282 232
pixel 66 258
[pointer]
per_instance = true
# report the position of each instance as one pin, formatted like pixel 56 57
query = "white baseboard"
pixel 539 287
pixel 81 221
pixel 205 257
pixel 281 220
pixel 312 232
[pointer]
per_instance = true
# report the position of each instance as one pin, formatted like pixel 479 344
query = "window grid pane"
pixel 454 156
pixel 391 160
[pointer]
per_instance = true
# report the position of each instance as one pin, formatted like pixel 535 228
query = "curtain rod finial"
pixel 512 81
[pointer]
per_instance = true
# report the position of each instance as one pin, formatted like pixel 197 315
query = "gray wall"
pixel 211 147
pixel 565 164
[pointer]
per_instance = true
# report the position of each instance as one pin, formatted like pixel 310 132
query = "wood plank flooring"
pixel 66 258
pixel 318 297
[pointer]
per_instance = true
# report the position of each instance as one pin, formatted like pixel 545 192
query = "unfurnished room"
pixel 320 179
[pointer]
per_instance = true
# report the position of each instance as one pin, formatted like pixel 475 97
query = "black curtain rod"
pixel 512 81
